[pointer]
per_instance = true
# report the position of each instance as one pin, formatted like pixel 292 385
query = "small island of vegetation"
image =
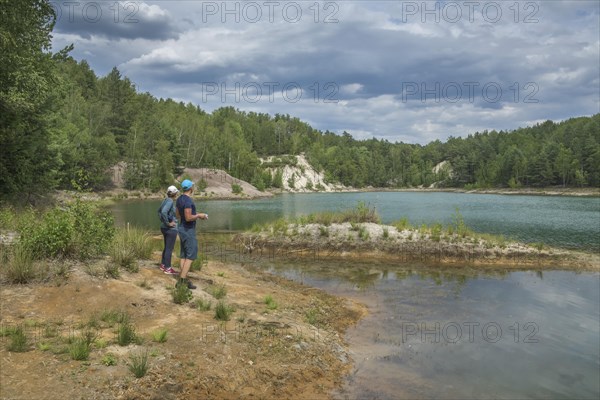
pixel 358 234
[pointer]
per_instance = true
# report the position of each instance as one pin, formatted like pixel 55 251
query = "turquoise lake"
pixel 441 333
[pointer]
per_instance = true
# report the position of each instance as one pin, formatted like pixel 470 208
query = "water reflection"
pixel 463 333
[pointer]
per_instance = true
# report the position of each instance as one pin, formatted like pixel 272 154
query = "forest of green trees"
pixel 61 126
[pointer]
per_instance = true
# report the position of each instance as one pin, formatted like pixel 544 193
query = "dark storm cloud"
pixel 395 79
pixel 114 20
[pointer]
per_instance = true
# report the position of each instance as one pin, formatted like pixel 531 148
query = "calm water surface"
pixel 450 333
pixel 568 222
pixel 466 335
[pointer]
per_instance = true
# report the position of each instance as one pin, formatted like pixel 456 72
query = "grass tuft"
pixel 270 302
pixel 18 340
pixel 20 267
pixel 160 335
pixel 203 305
pixel 129 246
pixel 223 311
pixel 138 364
pixel 126 334
pixel 218 291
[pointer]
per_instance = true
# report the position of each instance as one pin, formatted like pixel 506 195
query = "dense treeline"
pixel 64 127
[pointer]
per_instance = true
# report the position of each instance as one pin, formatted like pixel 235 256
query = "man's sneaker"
pixel 185 281
pixel 170 271
pixel 162 267
pixel 190 285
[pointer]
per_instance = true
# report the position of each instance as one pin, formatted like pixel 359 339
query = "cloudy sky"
pixel 407 71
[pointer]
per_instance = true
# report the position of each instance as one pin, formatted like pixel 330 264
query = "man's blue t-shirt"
pixel 184 201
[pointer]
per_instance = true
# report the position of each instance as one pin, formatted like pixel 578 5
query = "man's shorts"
pixel 189 243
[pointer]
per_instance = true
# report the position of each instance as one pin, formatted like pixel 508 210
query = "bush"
pixel 50 237
pixel 292 182
pixel 94 229
pixel 277 181
pixel 109 359
pixel 236 189
pixel 460 227
pixel 80 230
pixel 258 182
pixel 181 294
pixel 202 185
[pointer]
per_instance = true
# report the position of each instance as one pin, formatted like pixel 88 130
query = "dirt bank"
pixel 291 350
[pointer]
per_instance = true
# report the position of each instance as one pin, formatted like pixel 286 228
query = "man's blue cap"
pixel 187 185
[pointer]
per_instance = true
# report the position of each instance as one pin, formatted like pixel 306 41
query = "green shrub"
pixel 236 189
pixel 277 181
pixel 323 231
pixel 181 294
pixel 201 185
pixel 386 233
pixel 51 236
pixel 8 219
pixel 258 182
pixel 109 359
pixel 292 181
pixel 79 230
pixel 223 311
pixel 363 233
pixel 436 232
pixel 459 224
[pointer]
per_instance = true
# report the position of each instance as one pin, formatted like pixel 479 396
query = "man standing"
pixel 186 213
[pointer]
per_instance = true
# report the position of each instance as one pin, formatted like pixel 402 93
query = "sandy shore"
pixel 291 350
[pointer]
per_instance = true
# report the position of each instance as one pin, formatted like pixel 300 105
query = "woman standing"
pixel 186 212
pixel 168 227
